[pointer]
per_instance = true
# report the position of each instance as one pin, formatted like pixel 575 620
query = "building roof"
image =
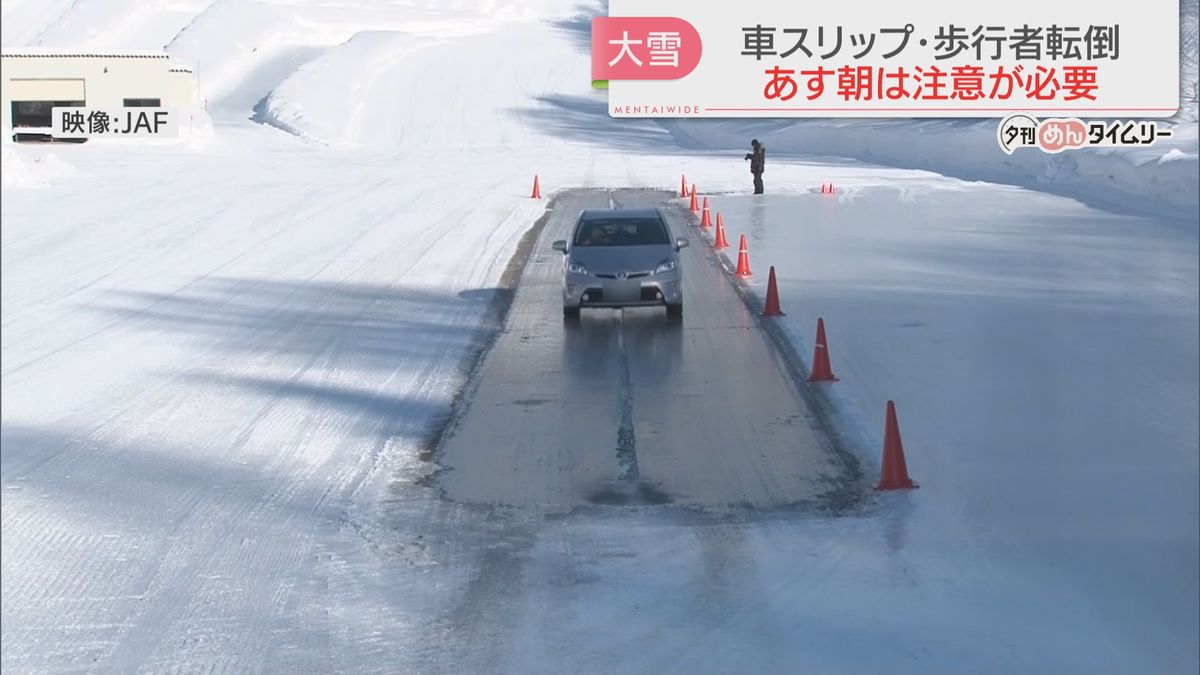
pixel 38 52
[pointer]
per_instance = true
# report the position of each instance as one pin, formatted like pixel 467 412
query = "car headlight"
pixel 665 266
pixel 576 268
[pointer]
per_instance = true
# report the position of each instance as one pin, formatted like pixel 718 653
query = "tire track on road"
pixel 626 435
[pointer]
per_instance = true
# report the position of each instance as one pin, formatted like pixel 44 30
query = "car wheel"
pixel 675 310
pixel 570 312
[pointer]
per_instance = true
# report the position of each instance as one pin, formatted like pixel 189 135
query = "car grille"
pixel 632 275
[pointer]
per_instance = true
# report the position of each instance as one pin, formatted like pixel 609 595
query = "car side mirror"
pixel 681 243
pixel 560 246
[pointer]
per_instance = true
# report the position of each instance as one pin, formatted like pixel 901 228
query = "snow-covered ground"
pixel 223 358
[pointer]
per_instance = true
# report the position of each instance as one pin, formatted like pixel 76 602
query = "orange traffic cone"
pixel 743 266
pixel 537 191
pixel 683 193
pixel 704 218
pixel 694 206
pixel 821 371
pixel 894 475
pixel 720 241
pixel 771 308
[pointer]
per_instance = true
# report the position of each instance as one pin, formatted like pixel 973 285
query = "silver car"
pixel 621 258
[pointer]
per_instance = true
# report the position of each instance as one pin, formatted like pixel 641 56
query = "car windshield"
pixel 621 232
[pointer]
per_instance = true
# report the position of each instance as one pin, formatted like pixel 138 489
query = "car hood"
pixel 613 259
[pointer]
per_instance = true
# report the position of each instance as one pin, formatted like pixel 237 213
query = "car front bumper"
pixel 647 291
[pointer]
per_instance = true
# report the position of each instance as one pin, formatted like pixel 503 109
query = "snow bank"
pixel 243 50
pixel 30 168
pixel 196 125
pixel 21 21
pixel 333 117
pixel 223 42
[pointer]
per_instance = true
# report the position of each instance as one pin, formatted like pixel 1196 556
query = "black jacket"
pixel 758 158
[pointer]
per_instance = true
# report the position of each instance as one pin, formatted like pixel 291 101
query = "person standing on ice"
pixel 758 162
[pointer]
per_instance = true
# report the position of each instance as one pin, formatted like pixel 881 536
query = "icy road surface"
pixel 629 406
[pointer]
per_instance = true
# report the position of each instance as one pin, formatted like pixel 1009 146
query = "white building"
pixel 32 81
